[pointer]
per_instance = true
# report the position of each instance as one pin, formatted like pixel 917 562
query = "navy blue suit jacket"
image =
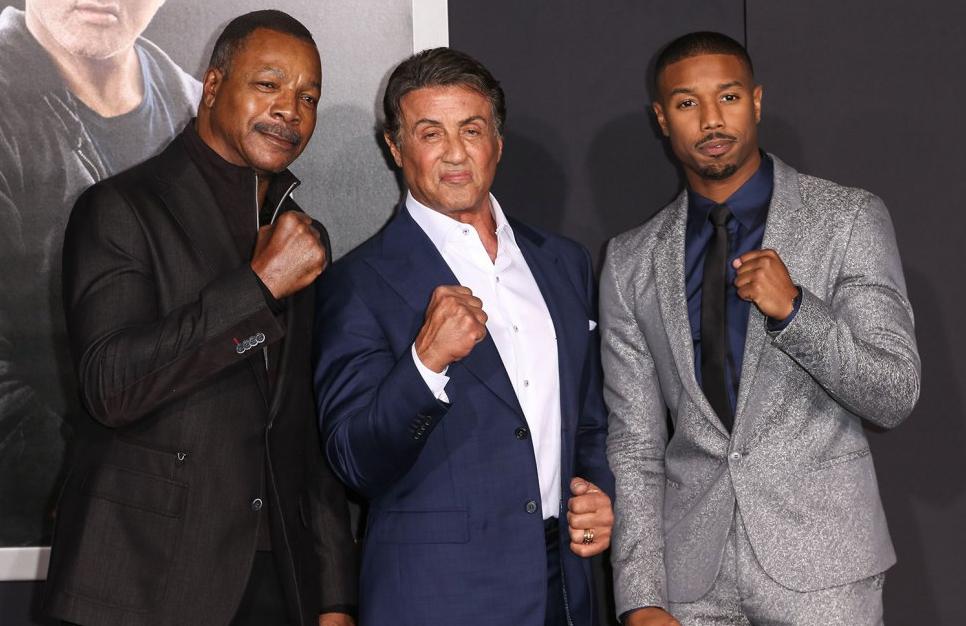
pixel 450 539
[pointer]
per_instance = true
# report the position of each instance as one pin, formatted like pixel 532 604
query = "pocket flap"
pixel 137 490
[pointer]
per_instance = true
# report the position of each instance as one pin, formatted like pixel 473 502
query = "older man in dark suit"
pixel 459 380
pixel 199 494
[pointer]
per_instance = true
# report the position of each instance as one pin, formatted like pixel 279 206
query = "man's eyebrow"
pixel 721 87
pixel 274 71
pixel 473 118
pixel 426 120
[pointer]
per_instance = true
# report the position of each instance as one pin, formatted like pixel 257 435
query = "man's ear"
pixel 659 114
pixel 393 148
pixel 210 86
pixel 756 96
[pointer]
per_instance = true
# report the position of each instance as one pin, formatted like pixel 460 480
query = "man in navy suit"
pixel 458 380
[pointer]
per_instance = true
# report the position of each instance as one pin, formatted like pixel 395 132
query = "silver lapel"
pixel 783 231
pixel 668 266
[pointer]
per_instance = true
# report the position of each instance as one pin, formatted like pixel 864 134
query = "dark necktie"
pixel 714 332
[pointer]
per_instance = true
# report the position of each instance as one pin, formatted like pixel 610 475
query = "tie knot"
pixel 720 215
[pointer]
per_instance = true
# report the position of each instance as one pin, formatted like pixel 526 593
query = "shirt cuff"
pixel 435 381
pixel 774 326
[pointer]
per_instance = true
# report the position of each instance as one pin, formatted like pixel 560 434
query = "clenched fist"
pixel 288 254
pixel 763 279
pixel 454 323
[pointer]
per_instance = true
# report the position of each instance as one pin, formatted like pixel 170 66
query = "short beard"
pixel 718 172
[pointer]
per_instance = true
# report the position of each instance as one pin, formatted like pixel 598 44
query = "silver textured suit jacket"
pixel 797 463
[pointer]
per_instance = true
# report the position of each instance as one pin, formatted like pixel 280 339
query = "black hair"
pixel 695 44
pixel 231 40
pixel 440 67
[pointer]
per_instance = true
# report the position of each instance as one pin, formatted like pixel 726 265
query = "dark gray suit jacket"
pixel 158 521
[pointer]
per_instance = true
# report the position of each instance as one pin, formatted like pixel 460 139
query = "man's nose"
pixel 711 117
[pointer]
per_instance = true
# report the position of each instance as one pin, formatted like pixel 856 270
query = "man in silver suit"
pixel 749 328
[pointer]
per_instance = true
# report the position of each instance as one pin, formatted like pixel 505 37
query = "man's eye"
pixel 473 132
pixel 309 99
pixel 266 84
pixel 686 104
pixel 730 97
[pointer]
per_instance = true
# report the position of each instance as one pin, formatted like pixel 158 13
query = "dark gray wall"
pixel 864 93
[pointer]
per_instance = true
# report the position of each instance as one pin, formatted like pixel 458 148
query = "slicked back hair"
pixel 231 40
pixel 696 44
pixel 440 67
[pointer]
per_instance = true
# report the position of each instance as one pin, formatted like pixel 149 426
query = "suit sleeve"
pixel 130 356
pixel 860 344
pixel 375 411
pixel 636 443
pixel 592 422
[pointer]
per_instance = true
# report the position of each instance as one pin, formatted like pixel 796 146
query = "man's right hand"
pixel 455 322
pixel 288 254
pixel 651 616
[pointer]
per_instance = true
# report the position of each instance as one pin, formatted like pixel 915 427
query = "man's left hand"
pixel 590 518
pixel 336 619
pixel 763 279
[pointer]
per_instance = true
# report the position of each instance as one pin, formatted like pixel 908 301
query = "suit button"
pixel 531 506
pixel 257 504
pixel 735 456
pixel 521 433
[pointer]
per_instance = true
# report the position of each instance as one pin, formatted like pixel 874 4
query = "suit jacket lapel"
pixel 554 284
pixel 669 270
pixel 782 234
pixel 413 267
pixel 189 199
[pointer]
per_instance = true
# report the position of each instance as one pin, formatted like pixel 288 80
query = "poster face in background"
pixel 68 123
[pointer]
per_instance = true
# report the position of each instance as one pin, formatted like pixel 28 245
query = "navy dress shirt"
pixel 746 229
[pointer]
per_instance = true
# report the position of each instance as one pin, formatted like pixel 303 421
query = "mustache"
pixel 281 131
pixel 712 137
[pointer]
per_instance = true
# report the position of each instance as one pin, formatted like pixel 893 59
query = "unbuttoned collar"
pixel 442 229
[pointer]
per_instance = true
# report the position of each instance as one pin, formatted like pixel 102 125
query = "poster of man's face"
pixel 89 88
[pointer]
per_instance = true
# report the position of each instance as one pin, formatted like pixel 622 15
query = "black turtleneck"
pixel 235 189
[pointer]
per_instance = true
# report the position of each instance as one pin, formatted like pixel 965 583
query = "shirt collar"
pixel 442 228
pixel 748 204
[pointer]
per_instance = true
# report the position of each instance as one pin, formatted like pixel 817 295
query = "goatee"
pixel 718 172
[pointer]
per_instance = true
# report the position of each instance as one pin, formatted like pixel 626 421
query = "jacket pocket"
pixel 128 536
pixel 420 527
pixel 838 460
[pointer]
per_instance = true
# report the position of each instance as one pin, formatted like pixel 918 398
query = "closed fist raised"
pixel 454 323
pixel 288 254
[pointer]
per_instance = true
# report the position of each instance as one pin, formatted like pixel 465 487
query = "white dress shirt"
pixel 518 322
